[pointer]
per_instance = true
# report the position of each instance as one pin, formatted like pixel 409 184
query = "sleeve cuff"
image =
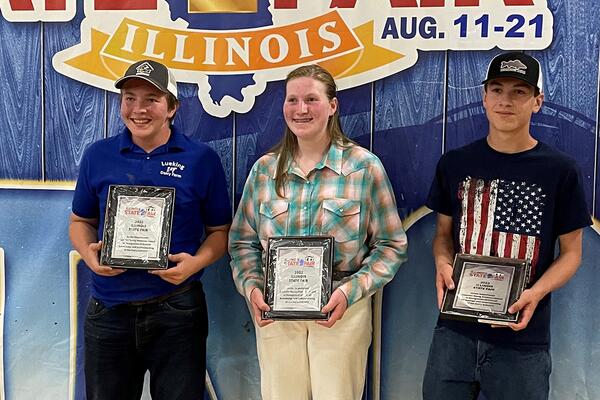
pixel 352 295
pixel 250 285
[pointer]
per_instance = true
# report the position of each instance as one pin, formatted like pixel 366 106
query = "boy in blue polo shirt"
pixel 140 320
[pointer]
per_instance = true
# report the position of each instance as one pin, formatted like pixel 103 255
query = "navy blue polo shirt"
pixel 201 199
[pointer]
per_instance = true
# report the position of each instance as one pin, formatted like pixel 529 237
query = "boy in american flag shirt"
pixel 506 195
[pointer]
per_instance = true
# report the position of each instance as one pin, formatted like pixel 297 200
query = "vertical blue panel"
pixel 576 329
pixel 466 120
pixel 114 124
pixel 74 112
pixel 231 348
pixel 257 131
pixel 570 66
pixel 355 114
pixel 408 127
pixel 195 122
pixel 36 329
pixel 409 315
pixel 84 277
pixel 408 134
pixel 20 105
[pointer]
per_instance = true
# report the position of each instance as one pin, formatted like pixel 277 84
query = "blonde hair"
pixel 288 145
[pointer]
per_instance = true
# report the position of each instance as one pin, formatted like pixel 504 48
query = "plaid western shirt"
pixel 347 195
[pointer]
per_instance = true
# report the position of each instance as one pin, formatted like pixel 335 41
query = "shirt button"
pixel 147 158
pixel 305 207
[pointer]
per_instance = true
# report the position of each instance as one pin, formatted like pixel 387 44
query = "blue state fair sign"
pixel 231 50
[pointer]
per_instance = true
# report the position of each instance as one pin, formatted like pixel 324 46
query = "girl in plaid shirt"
pixel 316 181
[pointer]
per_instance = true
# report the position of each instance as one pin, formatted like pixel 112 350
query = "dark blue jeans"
pixel 459 368
pixel 167 338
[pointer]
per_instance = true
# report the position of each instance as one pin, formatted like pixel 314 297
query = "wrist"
pixel 443 264
pixel 539 291
pixel 251 293
pixel 343 294
pixel 197 263
pixel 91 258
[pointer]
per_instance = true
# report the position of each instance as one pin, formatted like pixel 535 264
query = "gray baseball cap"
pixel 153 72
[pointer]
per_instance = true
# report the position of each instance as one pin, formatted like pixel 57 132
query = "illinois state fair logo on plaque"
pixel 298 276
pixel 485 287
pixel 137 227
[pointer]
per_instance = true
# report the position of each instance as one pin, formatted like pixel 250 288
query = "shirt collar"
pixel 175 142
pixel 332 160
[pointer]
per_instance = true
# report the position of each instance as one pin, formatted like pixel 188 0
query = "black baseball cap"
pixel 153 72
pixel 516 65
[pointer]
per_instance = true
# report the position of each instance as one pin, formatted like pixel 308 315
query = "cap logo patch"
pixel 513 66
pixel 144 69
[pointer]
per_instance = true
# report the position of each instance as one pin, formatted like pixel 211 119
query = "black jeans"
pixel 167 338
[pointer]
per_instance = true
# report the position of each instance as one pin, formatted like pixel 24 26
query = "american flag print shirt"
pixel 501 218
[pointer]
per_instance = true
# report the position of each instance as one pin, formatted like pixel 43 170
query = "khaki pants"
pixel 300 360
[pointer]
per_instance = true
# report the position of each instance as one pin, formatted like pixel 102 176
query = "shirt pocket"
pixel 273 218
pixel 341 219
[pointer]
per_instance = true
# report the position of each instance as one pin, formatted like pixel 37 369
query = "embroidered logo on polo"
pixel 513 66
pixel 144 69
pixel 172 168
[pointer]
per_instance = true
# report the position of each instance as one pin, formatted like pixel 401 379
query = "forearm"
pixel 559 273
pixel 246 267
pixel 564 267
pixel 443 250
pixel 82 234
pixel 212 249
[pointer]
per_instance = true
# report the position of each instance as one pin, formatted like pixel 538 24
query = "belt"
pixel 160 299
pixel 340 275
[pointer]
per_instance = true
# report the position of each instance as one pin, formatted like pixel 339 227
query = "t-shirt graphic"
pixel 501 218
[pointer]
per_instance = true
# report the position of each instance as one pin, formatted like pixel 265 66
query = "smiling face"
pixel 145 112
pixel 307 109
pixel 509 104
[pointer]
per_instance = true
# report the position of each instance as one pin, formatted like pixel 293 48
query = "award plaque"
pixel 137 227
pixel 485 287
pixel 298 276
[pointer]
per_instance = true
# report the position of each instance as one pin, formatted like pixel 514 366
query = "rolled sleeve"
pixel 245 248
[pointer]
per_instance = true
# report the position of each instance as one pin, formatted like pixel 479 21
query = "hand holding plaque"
pixel 137 227
pixel 298 277
pixel 485 288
